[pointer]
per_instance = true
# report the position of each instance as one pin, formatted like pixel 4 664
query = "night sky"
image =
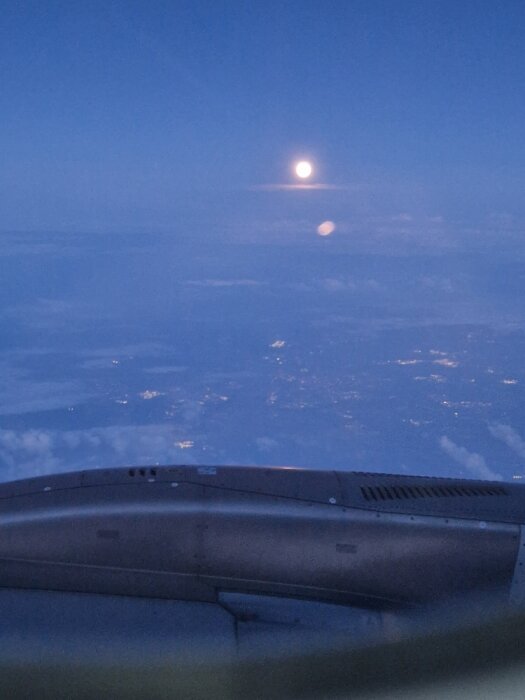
pixel 165 295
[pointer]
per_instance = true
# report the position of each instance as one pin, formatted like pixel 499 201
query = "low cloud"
pixel 266 444
pixel 509 436
pixel 33 452
pixel 471 461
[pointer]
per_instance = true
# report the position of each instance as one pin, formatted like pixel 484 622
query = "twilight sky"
pixel 121 114
pixel 164 295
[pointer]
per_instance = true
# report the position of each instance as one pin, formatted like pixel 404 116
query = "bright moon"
pixel 303 169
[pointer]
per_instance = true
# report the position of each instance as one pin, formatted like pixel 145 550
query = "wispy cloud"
pixel 471 461
pixel 342 284
pixel 53 314
pixel 36 243
pixel 224 283
pixel 286 187
pixel 19 393
pixel 146 349
pixel 166 369
pixel 509 436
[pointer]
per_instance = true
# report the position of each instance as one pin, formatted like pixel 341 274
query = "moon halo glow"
pixel 303 169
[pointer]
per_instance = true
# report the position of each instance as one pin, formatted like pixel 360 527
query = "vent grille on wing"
pixel 397 493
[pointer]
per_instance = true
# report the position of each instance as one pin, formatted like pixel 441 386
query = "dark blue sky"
pixel 122 114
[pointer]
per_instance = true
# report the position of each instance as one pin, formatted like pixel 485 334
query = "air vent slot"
pixel 404 492
pixel 142 472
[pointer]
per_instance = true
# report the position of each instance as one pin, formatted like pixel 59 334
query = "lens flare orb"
pixel 326 228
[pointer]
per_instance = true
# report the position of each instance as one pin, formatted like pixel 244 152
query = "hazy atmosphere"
pixel 172 290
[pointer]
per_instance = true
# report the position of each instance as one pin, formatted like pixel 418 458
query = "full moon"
pixel 303 169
